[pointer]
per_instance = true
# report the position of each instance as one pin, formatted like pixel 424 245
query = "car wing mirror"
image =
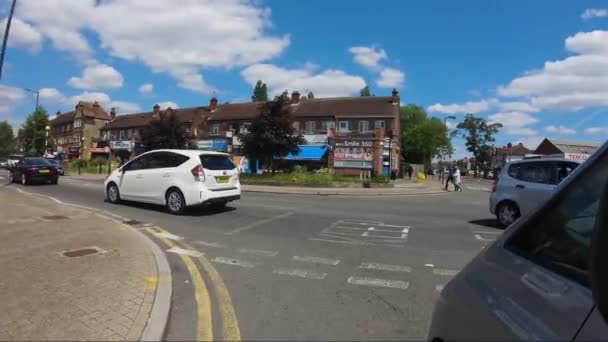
pixel 599 255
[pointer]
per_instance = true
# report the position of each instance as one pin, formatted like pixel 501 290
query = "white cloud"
pixel 146 88
pixel 562 130
pixel 10 97
pixel 369 57
pixel 591 13
pixel 52 96
pixel 179 39
pixel 168 104
pixel 517 106
pixel 597 131
pixel 570 84
pixel 522 131
pixel 123 107
pixel 390 78
pixel 100 76
pixel 513 119
pixel 456 108
pixel 22 35
pixel 328 83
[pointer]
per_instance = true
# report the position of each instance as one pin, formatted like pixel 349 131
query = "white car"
pixel 176 179
pixel 523 185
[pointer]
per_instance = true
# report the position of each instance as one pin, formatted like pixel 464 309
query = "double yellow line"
pixel 230 324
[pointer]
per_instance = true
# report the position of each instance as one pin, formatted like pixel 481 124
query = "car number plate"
pixel 222 179
pixel 44 171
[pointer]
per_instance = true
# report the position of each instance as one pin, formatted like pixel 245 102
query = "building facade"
pixel 506 154
pixel 76 133
pixel 571 150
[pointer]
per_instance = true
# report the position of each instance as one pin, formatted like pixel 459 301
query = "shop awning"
pixel 309 152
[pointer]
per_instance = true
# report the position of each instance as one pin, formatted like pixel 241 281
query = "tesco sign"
pixel 576 156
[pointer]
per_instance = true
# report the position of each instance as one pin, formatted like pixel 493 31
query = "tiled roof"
pixel 517 150
pixel 91 110
pixel 143 119
pixel 236 111
pixel 575 146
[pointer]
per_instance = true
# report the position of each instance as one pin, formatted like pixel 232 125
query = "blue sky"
pixel 539 67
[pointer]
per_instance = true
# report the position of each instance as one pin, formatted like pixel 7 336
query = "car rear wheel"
pixel 175 202
pixel 24 180
pixel 507 213
pixel 55 180
pixel 113 193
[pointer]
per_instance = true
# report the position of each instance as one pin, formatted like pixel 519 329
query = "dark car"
pixel 58 164
pixel 30 170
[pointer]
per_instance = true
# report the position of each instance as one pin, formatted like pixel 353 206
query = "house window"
pixel 215 129
pixel 122 134
pixel 310 127
pixel 296 125
pixel 77 123
pixel 344 126
pixel 244 128
pixel 129 134
pixel 380 124
pixel 363 126
pixel 327 125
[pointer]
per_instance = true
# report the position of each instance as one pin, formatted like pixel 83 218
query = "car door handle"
pixel 139 176
pixel 166 175
pixel 519 186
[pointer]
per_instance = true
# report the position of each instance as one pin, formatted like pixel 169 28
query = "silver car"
pixel 544 278
pixel 523 185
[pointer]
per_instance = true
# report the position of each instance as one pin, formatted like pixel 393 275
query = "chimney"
pixel 156 108
pixel 213 104
pixel 295 97
pixel 113 113
pixel 58 113
pixel 396 98
pixel 95 104
pixel 509 145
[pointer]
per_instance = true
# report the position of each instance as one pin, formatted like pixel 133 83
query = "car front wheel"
pixel 11 178
pixel 507 213
pixel 175 202
pixel 113 193
pixel 24 180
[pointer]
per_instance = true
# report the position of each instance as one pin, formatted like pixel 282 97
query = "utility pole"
pixel 5 40
pixel 444 149
pixel 37 96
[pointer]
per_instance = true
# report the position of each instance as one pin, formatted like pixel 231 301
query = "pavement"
pixel 299 267
pixel 45 294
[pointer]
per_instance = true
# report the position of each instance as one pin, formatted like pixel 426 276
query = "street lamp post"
pixel 445 124
pixel 37 95
pixel 46 139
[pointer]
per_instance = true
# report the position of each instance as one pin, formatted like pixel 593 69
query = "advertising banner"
pixel 353 157
pixel 218 145
pixel 121 145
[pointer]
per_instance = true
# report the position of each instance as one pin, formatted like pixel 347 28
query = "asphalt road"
pixel 310 267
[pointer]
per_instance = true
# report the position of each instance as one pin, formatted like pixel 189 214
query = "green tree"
pixel 166 131
pixel 260 92
pixel 310 95
pixel 271 134
pixel 365 91
pixel 7 139
pixel 478 135
pixel 35 135
pixel 422 137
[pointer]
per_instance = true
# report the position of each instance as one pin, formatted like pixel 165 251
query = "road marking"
pixel 2 177
pixel 439 287
pixel 486 232
pixel 316 260
pixel 444 272
pixel 201 294
pixel 374 229
pixel 385 267
pixel 169 236
pixel 181 251
pixel 300 273
pixel 480 238
pixel 208 244
pixel 233 262
pixel 338 241
pixel 397 284
pixel 259 223
pixel 429 265
pixel 258 252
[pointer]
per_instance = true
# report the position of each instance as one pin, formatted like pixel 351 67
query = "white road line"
pixel 444 272
pixel 429 265
pixel 338 241
pixel 374 229
pixel 259 223
pixel 2 177
pixel 480 238
pixel 397 284
pixel 208 244
pixel 375 224
pixel 187 252
pixel 400 237
pixel 439 287
pixel 316 260
pixel 233 262
pixel 294 272
pixel 259 252
pixel 486 232
pixel 169 236
pixel 385 267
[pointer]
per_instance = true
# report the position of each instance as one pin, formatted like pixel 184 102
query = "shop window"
pixel 310 127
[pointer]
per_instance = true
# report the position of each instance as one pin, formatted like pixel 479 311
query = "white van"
pixel 545 278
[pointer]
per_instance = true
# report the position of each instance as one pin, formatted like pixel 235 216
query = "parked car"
pixel 522 185
pixel 59 165
pixel 13 159
pixel 176 179
pixel 544 278
pixel 30 170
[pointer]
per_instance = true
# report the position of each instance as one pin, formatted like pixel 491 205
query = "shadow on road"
pixel 491 223
pixel 190 211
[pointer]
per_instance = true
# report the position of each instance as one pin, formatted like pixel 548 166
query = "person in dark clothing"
pixel 450 178
pixel 410 170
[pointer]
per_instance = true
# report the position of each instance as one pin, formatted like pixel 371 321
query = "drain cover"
pixel 131 222
pixel 81 252
pixel 55 217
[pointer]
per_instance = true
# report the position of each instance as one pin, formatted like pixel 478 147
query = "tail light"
pixel 199 173
pixel 31 169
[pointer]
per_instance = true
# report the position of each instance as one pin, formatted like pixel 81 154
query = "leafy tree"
pixel 365 91
pixel 35 135
pixel 166 131
pixel 7 139
pixel 422 137
pixel 271 134
pixel 478 135
pixel 310 95
pixel 260 92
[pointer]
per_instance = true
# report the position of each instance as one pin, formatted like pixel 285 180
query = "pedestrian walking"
pixel 450 178
pixel 457 180
pixel 410 170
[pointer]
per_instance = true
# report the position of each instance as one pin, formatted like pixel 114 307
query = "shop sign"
pixel 219 145
pixel 315 139
pixel 576 156
pixel 352 164
pixel 355 143
pixel 353 157
pixel 121 145
pixel 74 149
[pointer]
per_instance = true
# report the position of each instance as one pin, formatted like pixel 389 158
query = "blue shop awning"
pixel 308 152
